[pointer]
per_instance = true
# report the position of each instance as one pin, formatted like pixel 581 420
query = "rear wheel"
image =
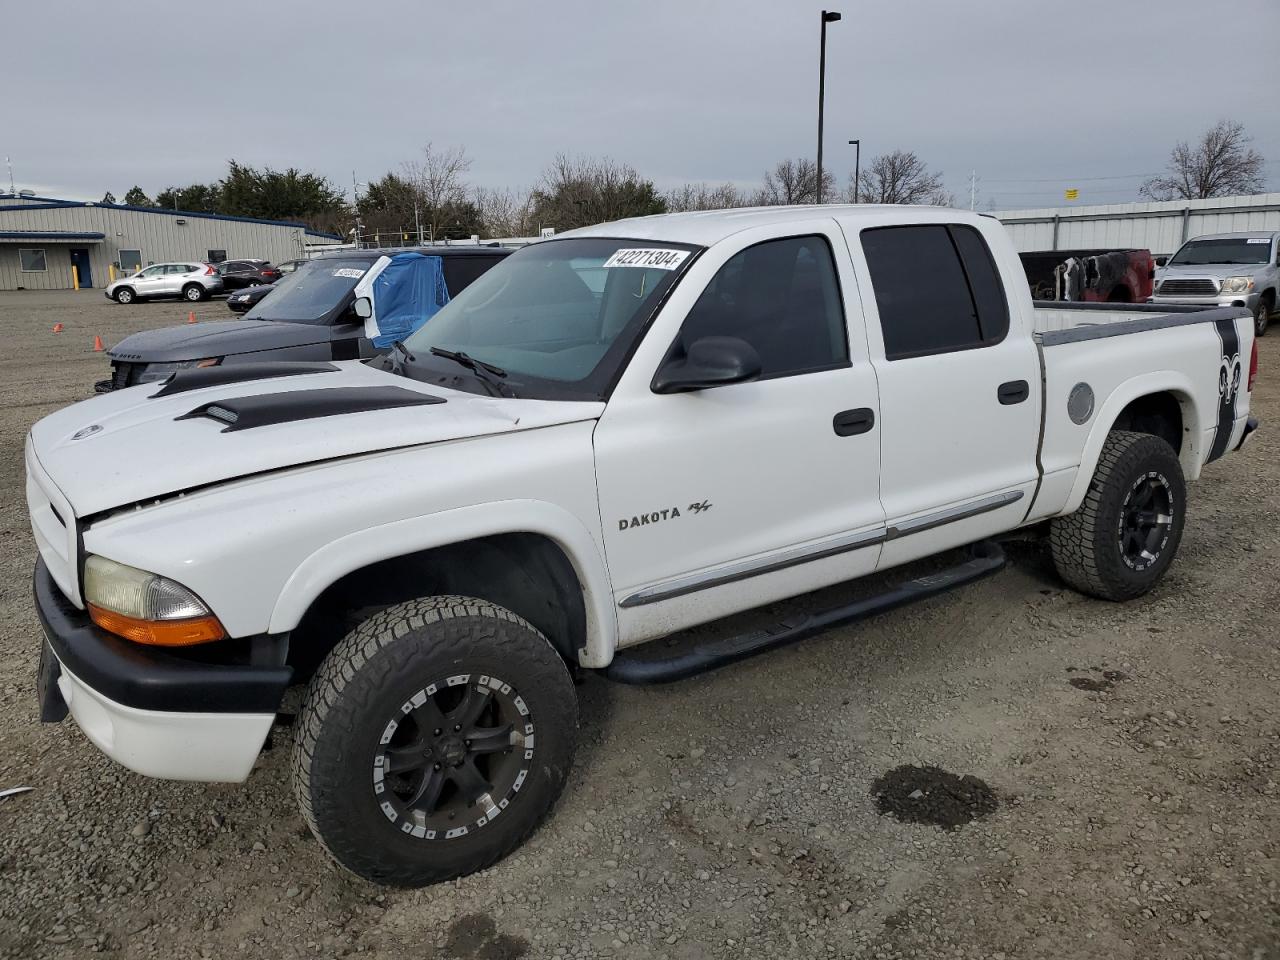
pixel 193 292
pixel 1125 534
pixel 124 295
pixel 434 739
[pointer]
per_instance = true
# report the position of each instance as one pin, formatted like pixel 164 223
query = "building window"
pixel 217 256
pixel 130 261
pixel 32 261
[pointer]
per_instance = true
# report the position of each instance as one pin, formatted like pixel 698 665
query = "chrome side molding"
pixel 793 556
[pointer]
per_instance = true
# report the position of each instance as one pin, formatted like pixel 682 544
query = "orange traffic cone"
pixel 57 327
pixel 97 344
pixel 191 317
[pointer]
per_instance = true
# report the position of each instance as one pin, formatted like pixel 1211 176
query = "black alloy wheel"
pixel 1146 520
pixel 453 757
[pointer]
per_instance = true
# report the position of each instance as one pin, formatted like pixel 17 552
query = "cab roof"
pixel 706 227
pixel 1238 235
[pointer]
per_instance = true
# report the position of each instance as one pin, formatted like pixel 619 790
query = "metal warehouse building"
pixel 1159 226
pixel 42 238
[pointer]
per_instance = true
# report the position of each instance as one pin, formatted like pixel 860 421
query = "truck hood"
pixel 129 446
pixel 218 338
pixel 1212 271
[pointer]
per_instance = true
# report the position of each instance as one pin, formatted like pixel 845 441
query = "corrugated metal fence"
pixel 1161 227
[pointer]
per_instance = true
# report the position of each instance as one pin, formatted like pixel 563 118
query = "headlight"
pixel 158 371
pixel 1237 284
pixel 146 607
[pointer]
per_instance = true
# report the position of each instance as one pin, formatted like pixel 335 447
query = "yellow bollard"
pixel 75 277
pixel 111 271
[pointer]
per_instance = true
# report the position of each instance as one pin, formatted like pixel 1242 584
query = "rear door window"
pixel 936 287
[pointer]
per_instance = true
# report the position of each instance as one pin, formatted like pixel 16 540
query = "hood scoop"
pixel 263 410
pixel 197 378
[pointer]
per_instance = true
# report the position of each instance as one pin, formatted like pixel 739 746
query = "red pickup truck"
pixel 1099 276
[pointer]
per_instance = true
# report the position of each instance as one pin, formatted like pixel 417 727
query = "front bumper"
pixel 157 714
pixel 1248 300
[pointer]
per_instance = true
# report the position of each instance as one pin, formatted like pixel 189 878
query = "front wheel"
pixel 124 295
pixel 1261 317
pixel 434 739
pixel 1124 535
pixel 193 292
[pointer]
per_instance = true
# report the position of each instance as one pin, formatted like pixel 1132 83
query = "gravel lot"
pixel 1135 810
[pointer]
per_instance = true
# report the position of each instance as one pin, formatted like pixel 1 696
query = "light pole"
pixel 828 16
pixel 857 158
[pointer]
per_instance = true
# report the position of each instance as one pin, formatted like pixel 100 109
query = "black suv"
pixel 238 274
pixel 309 316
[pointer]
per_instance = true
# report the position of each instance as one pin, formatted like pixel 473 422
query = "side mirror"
pixel 1161 261
pixel 363 308
pixel 710 362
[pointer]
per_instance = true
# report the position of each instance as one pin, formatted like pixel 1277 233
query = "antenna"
pixel 973 189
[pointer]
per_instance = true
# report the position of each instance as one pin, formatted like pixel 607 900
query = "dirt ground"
pixel 1132 752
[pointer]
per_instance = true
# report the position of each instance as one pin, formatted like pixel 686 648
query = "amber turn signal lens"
pixel 159 633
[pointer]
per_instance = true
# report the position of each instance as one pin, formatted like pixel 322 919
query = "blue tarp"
pixel 407 294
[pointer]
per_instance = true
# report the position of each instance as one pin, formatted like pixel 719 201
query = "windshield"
pixel 1233 250
pixel 311 292
pixel 557 317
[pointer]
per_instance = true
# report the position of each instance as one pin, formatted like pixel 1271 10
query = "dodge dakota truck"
pixel 610 437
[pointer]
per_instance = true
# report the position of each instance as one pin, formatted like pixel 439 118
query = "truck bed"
pixel 1058 322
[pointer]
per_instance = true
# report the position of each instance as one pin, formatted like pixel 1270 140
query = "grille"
pixel 122 375
pixel 1188 288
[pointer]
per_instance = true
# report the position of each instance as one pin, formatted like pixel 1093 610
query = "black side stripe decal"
pixel 1228 387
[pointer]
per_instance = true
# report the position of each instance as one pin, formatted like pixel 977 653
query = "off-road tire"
pixel 125 295
pixel 1087 545
pixel 365 681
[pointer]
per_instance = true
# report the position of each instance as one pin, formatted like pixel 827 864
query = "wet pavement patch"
pixel 932 795
pixel 476 937
pixel 1090 684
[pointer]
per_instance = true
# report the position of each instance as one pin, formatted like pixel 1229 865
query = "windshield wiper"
pixel 487 373
pixel 398 350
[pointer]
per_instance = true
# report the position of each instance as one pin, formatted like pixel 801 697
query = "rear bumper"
pixel 156 713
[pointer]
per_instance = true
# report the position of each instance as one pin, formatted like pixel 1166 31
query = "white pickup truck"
pixel 612 436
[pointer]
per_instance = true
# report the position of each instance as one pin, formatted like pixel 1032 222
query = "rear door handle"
pixel 1015 391
pixel 849 423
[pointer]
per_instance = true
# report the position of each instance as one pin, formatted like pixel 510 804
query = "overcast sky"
pixel 1036 95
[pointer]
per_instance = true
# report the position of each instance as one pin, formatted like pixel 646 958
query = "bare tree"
pixel 577 191
pixel 793 181
pixel 505 212
pixel 705 196
pixel 437 180
pixel 900 177
pixel 1220 164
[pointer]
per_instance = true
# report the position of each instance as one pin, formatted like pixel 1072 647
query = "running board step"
pixel 986 558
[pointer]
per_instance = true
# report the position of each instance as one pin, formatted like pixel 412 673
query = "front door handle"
pixel 1015 391
pixel 849 423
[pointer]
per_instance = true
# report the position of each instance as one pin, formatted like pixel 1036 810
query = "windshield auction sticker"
pixel 650 259
pixel 349 272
